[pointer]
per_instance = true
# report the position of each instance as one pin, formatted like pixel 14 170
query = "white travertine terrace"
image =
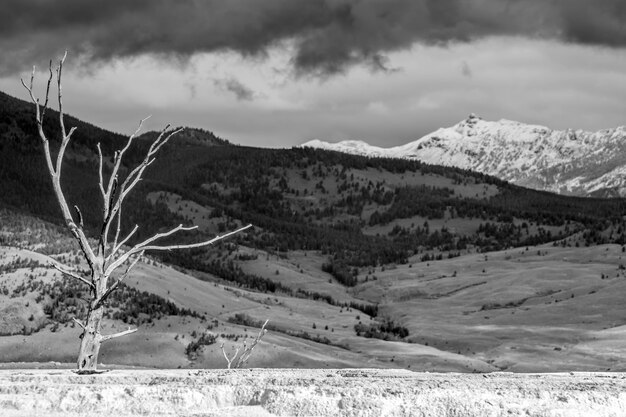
pixel 309 392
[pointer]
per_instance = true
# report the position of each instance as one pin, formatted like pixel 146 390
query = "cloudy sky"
pixel 281 72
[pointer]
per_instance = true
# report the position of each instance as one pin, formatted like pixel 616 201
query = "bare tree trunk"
pixel 91 337
pixel 91 340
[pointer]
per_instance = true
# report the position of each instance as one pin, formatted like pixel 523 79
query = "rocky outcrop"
pixel 348 392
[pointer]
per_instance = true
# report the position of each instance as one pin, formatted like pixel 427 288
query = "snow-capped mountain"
pixel 569 162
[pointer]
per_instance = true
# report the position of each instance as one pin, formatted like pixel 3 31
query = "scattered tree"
pixel 108 254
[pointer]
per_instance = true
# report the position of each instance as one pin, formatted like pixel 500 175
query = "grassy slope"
pixel 544 309
pixel 155 346
pixel 456 326
pixel 538 309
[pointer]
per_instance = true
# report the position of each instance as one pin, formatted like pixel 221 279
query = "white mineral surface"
pixel 310 392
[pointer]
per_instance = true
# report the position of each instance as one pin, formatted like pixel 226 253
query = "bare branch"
pixel 161 140
pixel 72 274
pixel 55 172
pixel 109 197
pixel 101 172
pixel 114 286
pixel 120 334
pixel 78 322
pixel 116 246
pixel 229 360
pixel 80 215
pixel 60 90
pixel 29 88
pixel 138 248
pixel 111 194
pixel 32 80
pixel 120 154
pixel 160 144
pixel 133 177
pixel 194 245
pixel 45 105
pixel 247 351
pixel 145 245
pixel 64 142
pixel 164 234
pixel 38 114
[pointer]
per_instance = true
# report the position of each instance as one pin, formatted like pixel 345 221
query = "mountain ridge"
pixel 571 162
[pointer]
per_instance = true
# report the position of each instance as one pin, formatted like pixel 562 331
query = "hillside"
pixel 356 261
pixel 571 162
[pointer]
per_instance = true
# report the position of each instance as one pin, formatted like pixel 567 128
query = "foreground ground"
pixel 269 392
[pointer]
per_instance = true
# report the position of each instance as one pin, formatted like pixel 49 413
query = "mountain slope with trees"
pixel 306 199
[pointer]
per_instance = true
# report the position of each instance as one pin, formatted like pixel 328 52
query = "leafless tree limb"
pixel 120 334
pixel 72 274
pixel 114 246
pixel 80 216
pixel 114 286
pixel 60 95
pixel 101 172
pixel 195 245
pixel 55 171
pixel 229 361
pixel 247 350
pixel 117 162
pixel 145 245
pixel 78 322
pixel 118 246
pixel 114 205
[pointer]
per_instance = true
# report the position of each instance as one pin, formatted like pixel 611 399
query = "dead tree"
pixel 239 361
pixel 109 253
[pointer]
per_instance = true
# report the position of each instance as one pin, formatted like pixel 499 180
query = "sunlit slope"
pixel 537 309
pixel 162 342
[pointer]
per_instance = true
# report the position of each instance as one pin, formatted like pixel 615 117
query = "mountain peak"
pixel 569 161
pixel 466 126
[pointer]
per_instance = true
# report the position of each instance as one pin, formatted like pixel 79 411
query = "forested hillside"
pixel 359 212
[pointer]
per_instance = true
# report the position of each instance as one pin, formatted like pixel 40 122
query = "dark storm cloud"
pixel 329 35
pixel 595 22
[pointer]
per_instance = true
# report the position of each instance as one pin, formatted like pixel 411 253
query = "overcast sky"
pixel 281 72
